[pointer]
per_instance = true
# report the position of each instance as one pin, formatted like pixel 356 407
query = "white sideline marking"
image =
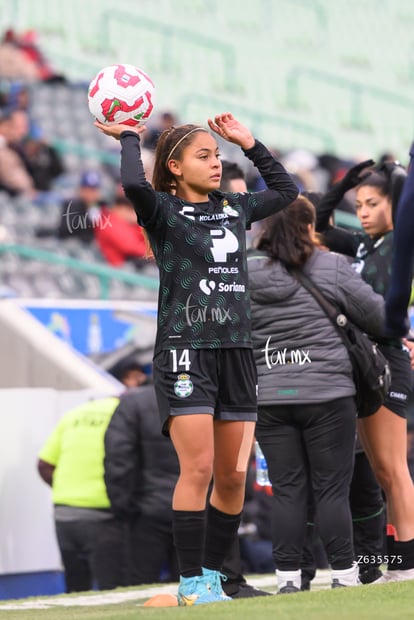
pixel 321 581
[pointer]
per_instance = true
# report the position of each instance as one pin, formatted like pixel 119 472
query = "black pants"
pixel 87 560
pixel 310 447
pixel 368 513
pixel 153 555
pixel 115 553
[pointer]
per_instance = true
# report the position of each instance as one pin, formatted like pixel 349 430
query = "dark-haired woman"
pixel 384 434
pixel 204 371
pixel 306 418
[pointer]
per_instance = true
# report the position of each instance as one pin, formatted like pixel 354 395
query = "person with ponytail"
pixel 204 370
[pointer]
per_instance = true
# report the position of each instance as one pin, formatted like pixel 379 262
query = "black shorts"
pixel 221 382
pixel 402 376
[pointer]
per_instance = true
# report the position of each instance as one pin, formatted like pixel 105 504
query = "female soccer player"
pixel 204 370
pixel 384 435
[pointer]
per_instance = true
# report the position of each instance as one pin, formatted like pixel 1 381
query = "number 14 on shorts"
pixel 180 360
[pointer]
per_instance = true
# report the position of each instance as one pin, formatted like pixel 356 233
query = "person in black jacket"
pixel 141 469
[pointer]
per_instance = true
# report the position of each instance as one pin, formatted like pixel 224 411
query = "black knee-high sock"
pixel 221 531
pixel 403 555
pixel 189 530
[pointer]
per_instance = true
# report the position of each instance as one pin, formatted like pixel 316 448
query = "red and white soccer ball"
pixel 121 94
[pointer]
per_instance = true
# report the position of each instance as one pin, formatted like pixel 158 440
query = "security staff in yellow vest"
pixel 71 461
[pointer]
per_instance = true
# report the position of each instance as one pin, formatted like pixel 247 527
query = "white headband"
pixel 181 139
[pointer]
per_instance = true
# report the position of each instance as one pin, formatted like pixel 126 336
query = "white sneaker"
pixel 396 575
pixel 288 581
pixel 346 578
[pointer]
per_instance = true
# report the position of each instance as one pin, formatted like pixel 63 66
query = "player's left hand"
pixel 229 128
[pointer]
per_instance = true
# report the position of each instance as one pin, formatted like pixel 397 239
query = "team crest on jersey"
pixel 183 387
pixel 228 210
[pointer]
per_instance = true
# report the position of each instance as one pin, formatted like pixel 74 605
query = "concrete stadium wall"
pixel 27 416
pixel 27 543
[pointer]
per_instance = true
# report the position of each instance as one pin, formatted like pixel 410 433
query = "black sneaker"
pixel 369 574
pixel 247 591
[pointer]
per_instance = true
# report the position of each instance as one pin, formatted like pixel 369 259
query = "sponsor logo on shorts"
pixel 183 387
pixel 398 395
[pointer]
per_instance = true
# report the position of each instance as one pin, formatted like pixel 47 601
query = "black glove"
pixel 353 177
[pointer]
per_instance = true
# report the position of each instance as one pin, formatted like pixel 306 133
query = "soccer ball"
pixel 121 94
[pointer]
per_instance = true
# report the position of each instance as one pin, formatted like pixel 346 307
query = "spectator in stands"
pixel 163 121
pixel 13 62
pixel 82 214
pixel 119 237
pixel 14 176
pixel 71 462
pixel 24 59
pixel 42 160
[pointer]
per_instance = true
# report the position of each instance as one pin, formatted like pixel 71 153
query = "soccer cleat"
pixel 395 575
pixel 193 591
pixel 199 590
pixel 214 578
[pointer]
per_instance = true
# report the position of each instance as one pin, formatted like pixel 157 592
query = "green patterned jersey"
pixel 200 250
pixel 374 260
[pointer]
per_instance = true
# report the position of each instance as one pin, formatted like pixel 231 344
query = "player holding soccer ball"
pixel 204 371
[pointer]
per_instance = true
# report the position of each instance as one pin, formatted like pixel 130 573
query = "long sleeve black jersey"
pixel 200 250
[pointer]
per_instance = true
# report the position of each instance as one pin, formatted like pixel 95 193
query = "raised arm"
pixel 281 188
pixel 329 202
pixel 136 187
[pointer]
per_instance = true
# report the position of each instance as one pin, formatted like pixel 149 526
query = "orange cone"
pixel 162 600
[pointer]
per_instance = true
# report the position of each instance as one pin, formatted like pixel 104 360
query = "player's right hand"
pixel 116 130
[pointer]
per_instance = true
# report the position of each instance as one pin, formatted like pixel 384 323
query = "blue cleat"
pixel 200 590
pixel 214 577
